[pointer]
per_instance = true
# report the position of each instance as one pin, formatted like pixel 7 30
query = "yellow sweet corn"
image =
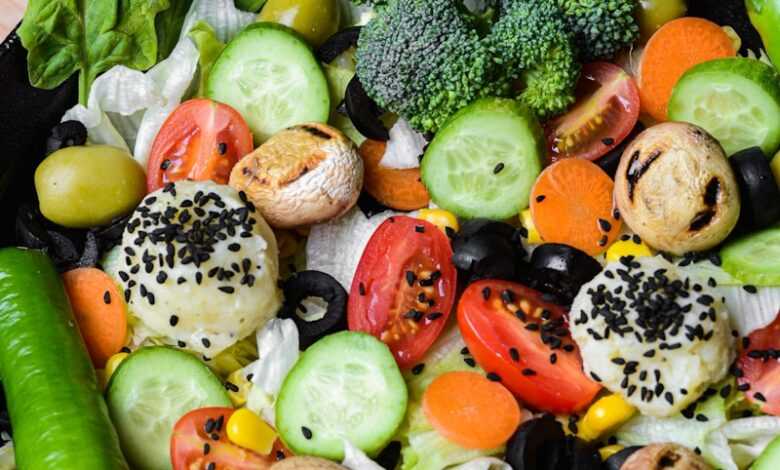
pixel 628 247
pixel 247 430
pixel 528 222
pixel 605 415
pixel 608 451
pixel 113 362
pixel 238 387
pixel 439 218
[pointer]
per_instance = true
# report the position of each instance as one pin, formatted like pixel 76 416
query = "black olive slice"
pixel 305 284
pixel 487 249
pixel 66 134
pixel 569 261
pixel 338 43
pixel 609 162
pixel 364 112
pixel 758 190
pixel 531 446
pixel 30 231
pixel 615 461
pixel 370 206
pixel 583 455
pixel 390 455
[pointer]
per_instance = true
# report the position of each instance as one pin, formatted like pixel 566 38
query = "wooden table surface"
pixel 11 12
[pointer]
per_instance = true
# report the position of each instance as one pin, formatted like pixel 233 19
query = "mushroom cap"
pixel 675 188
pixel 306 463
pixel 666 456
pixel 304 175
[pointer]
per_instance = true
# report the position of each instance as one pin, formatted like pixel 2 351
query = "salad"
pixel 399 234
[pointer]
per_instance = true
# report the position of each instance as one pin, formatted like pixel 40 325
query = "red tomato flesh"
pixel 201 140
pixel 607 109
pixel 760 368
pixel 512 332
pixel 189 439
pixel 404 287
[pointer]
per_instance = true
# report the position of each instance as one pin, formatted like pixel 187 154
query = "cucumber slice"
pixel 769 458
pixel 485 160
pixel 149 392
pixel 737 100
pixel 269 75
pixel 754 259
pixel 345 386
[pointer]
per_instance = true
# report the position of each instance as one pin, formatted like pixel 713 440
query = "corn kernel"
pixel 528 222
pixel 247 430
pixel 112 363
pixel 608 451
pixel 439 218
pixel 604 415
pixel 238 387
pixel 628 247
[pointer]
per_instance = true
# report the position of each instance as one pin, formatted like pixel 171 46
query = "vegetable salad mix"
pixel 399 234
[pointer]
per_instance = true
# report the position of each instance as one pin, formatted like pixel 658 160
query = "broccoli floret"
pixel 532 42
pixel 424 60
pixel 601 27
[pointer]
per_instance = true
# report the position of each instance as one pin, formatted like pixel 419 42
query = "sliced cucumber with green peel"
pixel 485 160
pixel 147 395
pixel 754 259
pixel 270 75
pixel 769 458
pixel 345 386
pixel 737 100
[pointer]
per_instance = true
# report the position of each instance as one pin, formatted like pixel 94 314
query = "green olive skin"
pixel 88 186
pixel 652 14
pixel 315 20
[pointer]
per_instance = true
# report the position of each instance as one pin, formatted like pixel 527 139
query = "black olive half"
pixel 610 161
pixel 306 284
pixel 758 190
pixel 558 271
pixel 488 249
pixel 337 44
pixel 364 112
pixel 615 461
pixel 369 206
pixel 390 455
pixel 66 134
pixel 534 442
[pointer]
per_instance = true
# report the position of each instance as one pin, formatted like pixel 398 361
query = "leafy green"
pixel 66 36
pixel 209 47
pixel 250 5
pixel 168 25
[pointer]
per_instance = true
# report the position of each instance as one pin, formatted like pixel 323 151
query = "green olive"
pixel 315 20
pixel 82 187
pixel 654 13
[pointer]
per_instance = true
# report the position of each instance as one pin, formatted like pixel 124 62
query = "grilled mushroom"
pixel 304 175
pixel 306 463
pixel 665 457
pixel 675 188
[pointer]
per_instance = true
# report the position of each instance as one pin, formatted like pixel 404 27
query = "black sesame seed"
pixel 410 278
pixel 434 316
pixel 486 293
pixel 497 169
pixel 605 225
pixel 222 148
pixel 279 455
pixel 528 372
pixel 464 350
pixel 540 198
pixel 209 426
pixel 508 296
pixel 607 141
pixel 514 354
pixel 750 289
pixel 206 342
pixel 107 297
pixel 206 448
pixel 227 289
pixel 553 358
pixel 181 344
pixel 162 276
pixel 744 387
pixel 701 418
pixel 306 432
pixel 759 396
pixel 419 229
pixel 234 247
pixel 493 377
pixel 173 320
pixel 361 289
pixel 470 362
pixel 603 241
pixel 212 465
pixel 418 368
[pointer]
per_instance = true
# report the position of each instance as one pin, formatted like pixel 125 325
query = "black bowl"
pixel 27 114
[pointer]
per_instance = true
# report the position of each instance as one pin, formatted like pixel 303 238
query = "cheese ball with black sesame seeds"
pixel 199 266
pixel 651 334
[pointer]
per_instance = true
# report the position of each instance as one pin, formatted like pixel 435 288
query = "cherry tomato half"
pixel 189 439
pixel 200 140
pixel 512 332
pixel 404 287
pixel 607 109
pixel 761 369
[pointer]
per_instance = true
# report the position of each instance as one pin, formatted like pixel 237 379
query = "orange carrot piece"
pixel 571 203
pixel 100 312
pixel 398 189
pixel 672 50
pixel 470 410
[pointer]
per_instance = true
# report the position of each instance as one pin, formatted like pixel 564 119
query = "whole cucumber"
pixel 58 415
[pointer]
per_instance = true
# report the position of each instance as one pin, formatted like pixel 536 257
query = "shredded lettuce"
pixel 355 459
pixel 222 15
pixel 209 47
pixel 423 448
pixel 727 444
pixel 404 148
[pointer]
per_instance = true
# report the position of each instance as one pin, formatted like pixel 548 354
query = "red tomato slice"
pixel 761 369
pixel 200 140
pixel 189 439
pixel 404 287
pixel 606 110
pixel 512 332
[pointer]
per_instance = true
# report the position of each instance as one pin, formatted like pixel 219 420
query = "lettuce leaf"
pixel 209 47
pixel 168 25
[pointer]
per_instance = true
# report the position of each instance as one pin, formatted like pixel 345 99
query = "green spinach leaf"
pixel 169 25
pixel 90 36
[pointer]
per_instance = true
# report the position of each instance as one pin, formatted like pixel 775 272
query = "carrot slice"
pixel 571 203
pixel 398 189
pixel 672 50
pixel 100 312
pixel 470 410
